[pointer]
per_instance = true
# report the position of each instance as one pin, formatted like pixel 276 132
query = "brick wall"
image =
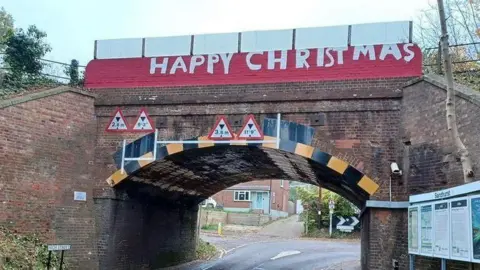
pixel 429 159
pixel 360 120
pixel 46 153
pixel 140 231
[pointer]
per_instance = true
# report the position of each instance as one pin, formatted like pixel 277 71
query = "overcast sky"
pixel 73 25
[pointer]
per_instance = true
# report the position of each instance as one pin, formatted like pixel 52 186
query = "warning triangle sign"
pixel 250 130
pixel 143 123
pixel 118 123
pixel 221 130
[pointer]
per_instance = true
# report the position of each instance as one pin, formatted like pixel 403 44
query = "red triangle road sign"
pixel 118 123
pixel 221 130
pixel 143 122
pixel 250 130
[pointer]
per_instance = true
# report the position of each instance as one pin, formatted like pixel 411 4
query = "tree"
pixel 25 50
pixel 72 72
pixel 6 27
pixel 450 102
pixel 310 196
pixel 463 26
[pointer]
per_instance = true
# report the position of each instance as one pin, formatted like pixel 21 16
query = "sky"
pixel 72 26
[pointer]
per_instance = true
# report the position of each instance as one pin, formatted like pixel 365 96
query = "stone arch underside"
pixel 203 169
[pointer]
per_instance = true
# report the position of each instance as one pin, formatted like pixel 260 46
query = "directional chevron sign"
pixel 347 224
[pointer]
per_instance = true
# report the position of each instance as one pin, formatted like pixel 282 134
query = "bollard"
pixel 219 228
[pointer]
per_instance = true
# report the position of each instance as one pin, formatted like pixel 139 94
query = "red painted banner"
pixel 325 64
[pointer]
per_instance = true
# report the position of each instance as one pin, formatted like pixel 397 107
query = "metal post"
pixel 61 260
pixel 444 264
pixel 306 222
pixel 49 259
pixel 412 261
pixel 123 156
pixel 278 130
pixel 155 145
pixel 330 229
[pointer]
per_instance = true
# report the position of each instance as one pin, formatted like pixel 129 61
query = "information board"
pixel 475 206
pixel 413 230
pixel 441 233
pixel 460 230
pixel 426 230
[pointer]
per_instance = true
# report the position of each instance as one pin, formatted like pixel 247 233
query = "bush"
pixel 205 251
pixel 24 252
pixel 210 227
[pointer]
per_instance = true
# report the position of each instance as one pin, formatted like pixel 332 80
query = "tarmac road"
pixel 288 254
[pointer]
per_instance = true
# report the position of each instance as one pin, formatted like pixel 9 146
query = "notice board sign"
pixel 413 230
pixel 441 233
pixel 426 230
pixel 460 235
pixel 475 206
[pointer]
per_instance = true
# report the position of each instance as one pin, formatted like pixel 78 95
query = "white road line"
pixel 285 253
pixel 232 249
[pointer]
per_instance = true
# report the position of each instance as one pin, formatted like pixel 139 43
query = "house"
pixel 263 196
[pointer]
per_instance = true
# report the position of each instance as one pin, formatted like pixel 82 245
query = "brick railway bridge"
pixel 341 127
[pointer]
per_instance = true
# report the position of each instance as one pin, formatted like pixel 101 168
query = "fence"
pixel 52 69
pixel 465 58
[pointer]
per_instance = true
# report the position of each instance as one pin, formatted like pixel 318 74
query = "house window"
pixel 241 196
pixel 281 183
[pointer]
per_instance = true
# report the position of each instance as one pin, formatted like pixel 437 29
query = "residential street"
pixel 289 254
pixel 278 246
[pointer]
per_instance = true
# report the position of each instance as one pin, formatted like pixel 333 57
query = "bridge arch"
pixel 203 169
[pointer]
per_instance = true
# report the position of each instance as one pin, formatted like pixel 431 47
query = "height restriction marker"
pixel 143 123
pixel 250 130
pixel 221 130
pixel 118 123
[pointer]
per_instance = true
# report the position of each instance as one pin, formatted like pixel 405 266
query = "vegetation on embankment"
pixel 205 251
pixel 324 234
pixel 24 252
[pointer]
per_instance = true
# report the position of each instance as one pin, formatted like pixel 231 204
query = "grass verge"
pixel 323 233
pixel 205 250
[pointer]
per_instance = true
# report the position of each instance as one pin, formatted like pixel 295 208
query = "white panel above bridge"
pixel 321 37
pixel 215 43
pixel 380 33
pixel 119 48
pixel 168 46
pixel 259 41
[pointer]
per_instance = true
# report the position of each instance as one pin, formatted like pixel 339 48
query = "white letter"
pixel 226 57
pixel 365 50
pixel 320 57
pixel 301 58
pixel 249 61
pixel 272 60
pixel 179 63
pixel 410 54
pixel 212 59
pixel 330 57
pixel 340 54
pixel 390 49
pixel 196 61
pixel 162 66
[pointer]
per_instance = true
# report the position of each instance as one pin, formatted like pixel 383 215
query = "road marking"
pixel 285 253
pixel 232 249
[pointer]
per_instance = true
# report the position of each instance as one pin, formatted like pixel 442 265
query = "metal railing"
pixel 51 68
pixel 156 142
pixel 433 58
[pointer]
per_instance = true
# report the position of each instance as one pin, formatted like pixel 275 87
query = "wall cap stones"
pixel 462 91
pixel 42 94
